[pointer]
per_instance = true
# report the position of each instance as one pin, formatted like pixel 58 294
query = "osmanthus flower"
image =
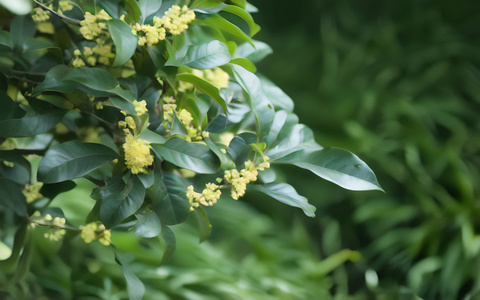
pixel 176 19
pixel 137 154
pixel 95 231
pixel 239 180
pixel 140 107
pixel 216 76
pixel 32 192
pixel 207 197
pixel 94 25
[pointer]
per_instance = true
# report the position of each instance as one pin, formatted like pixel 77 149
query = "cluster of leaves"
pixel 404 82
pixel 59 123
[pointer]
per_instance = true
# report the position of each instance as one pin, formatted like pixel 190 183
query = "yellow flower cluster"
pixel 89 134
pixel 239 180
pixel 175 21
pixel 216 76
pixel 94 25
pixel 140 107
pixel 41 17
pixel 95 231
pixel 208 197
pixel 32 192
pixel 169 108
pixel 56 224
pixel 148 34
pixel 137 154
pixel 64 6
pixel 185 117
pixel 103 54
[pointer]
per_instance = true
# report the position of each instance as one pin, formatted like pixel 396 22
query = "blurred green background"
pixel 395 82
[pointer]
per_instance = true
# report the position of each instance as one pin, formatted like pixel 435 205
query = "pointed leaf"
pixel 73 159
pixel 190 156
pixel 148 8
pixel 203 223
pixel 149 227
pixel 135 287
pixel 338 166
pixel 254 28
pixel 204 86
pixel 168 238
pixel 287 194
pixel 30 126
pixel 92 78
pixel 123 38
pixel 11 196
pixel 206 56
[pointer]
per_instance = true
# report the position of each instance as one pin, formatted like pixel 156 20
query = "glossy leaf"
pixel 298 138
pixel 208 6
pixel 287 194
pixel 20 172
pixel 30 126
pixel 170 242
pixel 124 40
pixel 204 86
pixel 225 159
pixel 118 206
pixel 218 22
pixel 255 53
pixel 168 196
pixel 22 29
pixel 54 81
pixel 206 56
pixel 245 63
pixel 148 8
pixel 254 28
pixel 135 287
pixel 191 156
pixel 149 227
pixel 92 78
pixel 338 166
pixel 72 160
pixel 276 96
pixel 11 196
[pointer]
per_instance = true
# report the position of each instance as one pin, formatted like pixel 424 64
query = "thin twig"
pixel 73 21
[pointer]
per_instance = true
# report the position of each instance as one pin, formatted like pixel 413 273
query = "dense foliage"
pixel 157 105
pixel 398 84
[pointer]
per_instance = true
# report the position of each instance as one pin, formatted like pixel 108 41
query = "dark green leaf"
pixel 6 39
pixel 22 28
pixel 11 196
pixel 123 38
pixel 10 109
pixel 30 126
pixel 148 8
pixel 208 6
pixel 225 159
pixel 276 96
pixel 135 287
pixel 191 156
pixel 53 189
pixel 168 238
pixel 206 56
pixel 118 206
pixel 338 166
pixel 149 227
pixel 204 86
pixel 72 160
pixel 277 125
pixel 92 78
pixel 285 193
pixel 169 198
pixel 54 81
pixel 20 172
pixel 203 223
pixel 297 138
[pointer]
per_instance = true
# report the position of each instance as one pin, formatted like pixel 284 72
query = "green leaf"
pixel 11 196
pixel 278 122
pixel 287 194
pixel 191 156
pixel 53 189
pixel 275 95
pixel 30 126
pixel 22 29
pixel 92 78
pixel 336 165
pixel 255 53
pixel 206 56
pixel 54 81
pixel 135 287
pixel 6 39
pixel 72 160
pixel 10 109
pixel 132 11
pixel 254 28
pixel 149 227
pixel 169 198
pixel 220 23
pixel 297 138
pixel 204 86
pixel 225 159
pixel 203 223
pixel 260 105
pixel 118 206
pixel 208 6
pixel 168 238
pixel 20 172
pixel 245 63
pixel 148 8
pixel 18 7
pixel 123 38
